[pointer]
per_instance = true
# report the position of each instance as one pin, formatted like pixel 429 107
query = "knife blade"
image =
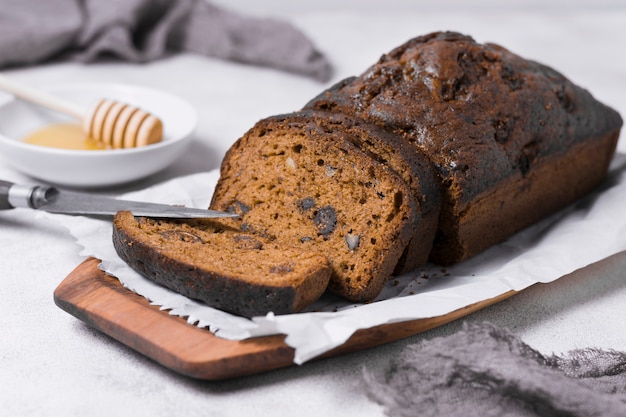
pixel 53 200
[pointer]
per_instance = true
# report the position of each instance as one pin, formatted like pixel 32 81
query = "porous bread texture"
pixel 221 266
pixel 412 166
pixel 309 188
pixel 512 140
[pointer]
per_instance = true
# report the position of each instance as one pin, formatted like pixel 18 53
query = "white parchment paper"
pixel 586 232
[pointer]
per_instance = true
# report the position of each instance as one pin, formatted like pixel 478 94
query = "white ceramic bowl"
pixel 101 168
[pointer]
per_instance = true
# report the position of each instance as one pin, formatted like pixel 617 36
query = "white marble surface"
pixel 52 364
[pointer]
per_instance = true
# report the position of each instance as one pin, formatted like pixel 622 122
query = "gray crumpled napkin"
pixel 483 371
pixel 34 31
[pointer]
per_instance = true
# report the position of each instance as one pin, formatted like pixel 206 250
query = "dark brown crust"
pixel 479 112
pixel 211 284
pixel 522 201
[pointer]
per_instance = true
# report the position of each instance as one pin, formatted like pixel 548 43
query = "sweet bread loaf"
pixel 224 267
pixel 438 151
pixel 512 140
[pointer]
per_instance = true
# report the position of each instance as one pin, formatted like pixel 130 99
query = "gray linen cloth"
pixel 35 31
pixel 483 370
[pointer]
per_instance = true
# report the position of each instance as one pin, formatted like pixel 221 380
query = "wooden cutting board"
pixel 102 302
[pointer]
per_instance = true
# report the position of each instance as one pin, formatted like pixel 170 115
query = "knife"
pixel 53 200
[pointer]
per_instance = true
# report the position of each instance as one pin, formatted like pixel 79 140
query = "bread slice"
pixel 309 188
pixel 221 266
pixel 411 165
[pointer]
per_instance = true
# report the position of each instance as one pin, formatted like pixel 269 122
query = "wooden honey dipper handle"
pixel 44 99
pixel 115 124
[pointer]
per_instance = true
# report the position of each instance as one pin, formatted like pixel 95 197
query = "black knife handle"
pixel 4 195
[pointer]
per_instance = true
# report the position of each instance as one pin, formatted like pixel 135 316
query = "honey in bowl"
pixel 64 136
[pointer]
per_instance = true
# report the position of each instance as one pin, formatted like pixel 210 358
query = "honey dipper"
pixel 112 123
